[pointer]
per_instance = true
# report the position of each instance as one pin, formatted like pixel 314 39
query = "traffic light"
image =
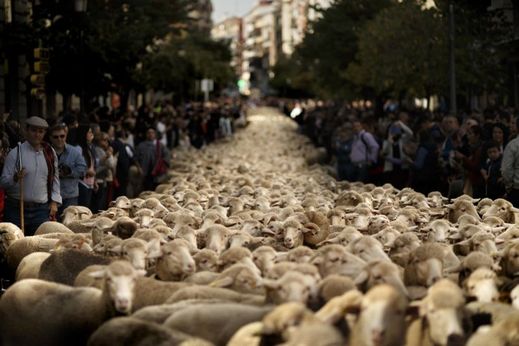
pixel 40 69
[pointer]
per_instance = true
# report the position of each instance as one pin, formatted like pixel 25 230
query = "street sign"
pixel 207 85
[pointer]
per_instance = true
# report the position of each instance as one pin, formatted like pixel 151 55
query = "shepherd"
pixel 30 178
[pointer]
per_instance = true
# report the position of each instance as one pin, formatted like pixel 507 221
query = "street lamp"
pixel 80 6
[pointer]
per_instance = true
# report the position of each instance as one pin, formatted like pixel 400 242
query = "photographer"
pixel 71 166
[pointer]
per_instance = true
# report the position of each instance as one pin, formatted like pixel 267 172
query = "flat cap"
pixel 37 122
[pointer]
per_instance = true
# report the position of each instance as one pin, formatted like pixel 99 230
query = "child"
pixel 491 172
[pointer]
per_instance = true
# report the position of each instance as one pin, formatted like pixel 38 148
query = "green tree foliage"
pixel 181 60
pixel 403 50
pixel 331 45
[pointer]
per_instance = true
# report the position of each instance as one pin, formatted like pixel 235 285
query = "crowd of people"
pixel 473 153
pixel 89 160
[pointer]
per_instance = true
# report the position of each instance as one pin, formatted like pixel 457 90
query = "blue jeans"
pixel 33 216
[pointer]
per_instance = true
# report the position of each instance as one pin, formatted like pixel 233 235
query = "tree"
pixel 331 45
pixel 403 50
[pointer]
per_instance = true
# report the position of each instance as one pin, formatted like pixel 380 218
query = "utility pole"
pixel 452 61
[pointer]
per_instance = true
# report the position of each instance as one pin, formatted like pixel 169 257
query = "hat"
pixel 37 122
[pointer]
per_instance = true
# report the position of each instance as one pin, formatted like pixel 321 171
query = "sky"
pixel 228 8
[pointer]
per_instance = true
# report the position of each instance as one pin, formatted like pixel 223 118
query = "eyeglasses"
pixel 60 136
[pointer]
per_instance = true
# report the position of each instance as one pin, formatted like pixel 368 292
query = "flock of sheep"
pixel 250 244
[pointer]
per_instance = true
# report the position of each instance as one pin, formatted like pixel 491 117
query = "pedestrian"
pixel 471 160
pixel 491 172
pixel 84 140
pixel 105 170
pixel 364 152
pixel 148 155
pixel 71 166
pixel 125 159
pixel 510 169
pixel 38 173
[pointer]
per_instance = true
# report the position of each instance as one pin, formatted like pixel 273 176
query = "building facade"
pixel 231 30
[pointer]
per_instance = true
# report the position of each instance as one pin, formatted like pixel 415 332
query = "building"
pixel 296 16
pixel 262 44
pixel 231 30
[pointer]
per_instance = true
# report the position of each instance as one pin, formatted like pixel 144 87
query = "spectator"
pixel 105 169
pixel 474 183
pixel 510 169
pixel 491 172
pixel 71 166
pixel 148 154
pixel 39 171
pixel 364 152
pixel 125 159
pixel 4 149
pixel 84 140
pixel 342 153
pixel 425 168
pixel 396 163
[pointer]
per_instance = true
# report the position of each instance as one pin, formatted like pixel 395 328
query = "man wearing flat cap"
pixel 36 163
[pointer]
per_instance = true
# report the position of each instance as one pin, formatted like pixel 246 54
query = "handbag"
pixel 161 167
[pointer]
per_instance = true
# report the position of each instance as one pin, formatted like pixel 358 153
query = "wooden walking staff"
pixel 20 181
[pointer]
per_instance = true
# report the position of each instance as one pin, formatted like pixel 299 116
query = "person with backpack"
pixel 364 153
pixel 34 164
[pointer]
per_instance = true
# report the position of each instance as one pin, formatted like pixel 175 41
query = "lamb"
pixel 215 322
pixel 442 314
pixel 53 308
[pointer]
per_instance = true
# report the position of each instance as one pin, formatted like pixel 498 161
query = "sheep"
pixel 52 227
pixel 482 284
pixel 318 228
pixel 380 272
pixel 64 266
pixel 206 260
pixel 367 248
pixel 215 322
pixel 481 241
pixel 175 261
pixel 135 251
pixel 53 308
pixel 510 260
pixel 9 233
pixel 382 318
pixel 473 261
pixel 387 236
pixel 291 287
pixel 75 213
pixel 132 331
pixel 264 257
pixel 438 230
pixel 502 209
pixel 425 265
pixel 333 286
pixel 501 333
pixel 334 259
pixel 198 292
pixel 24 246
pixel 442 317
pixel 403 246
pixel 29 267
pixel 344 237
pixel 240 278
pixel 216 238
pixel 461 207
